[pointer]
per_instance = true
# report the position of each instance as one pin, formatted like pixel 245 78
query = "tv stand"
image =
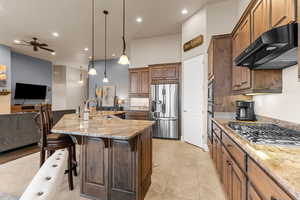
pixel 23 108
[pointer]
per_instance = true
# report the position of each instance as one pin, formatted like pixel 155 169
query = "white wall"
pixel 76 92
pixel 67 92
pixel 193 27
pixel 285 106
pixel 156 50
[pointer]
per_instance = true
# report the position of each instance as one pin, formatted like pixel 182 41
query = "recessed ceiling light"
pixel 184 11
pixel 139 19
pixel 17 41
pixel 55 34
pixel 86 49
pixel 53 53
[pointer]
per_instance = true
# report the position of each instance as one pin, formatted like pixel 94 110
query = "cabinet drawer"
pixel 137 115
pixel 236 152
pixel 217 130
pixel 264 185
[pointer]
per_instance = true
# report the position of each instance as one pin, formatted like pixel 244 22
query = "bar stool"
pixel 50 142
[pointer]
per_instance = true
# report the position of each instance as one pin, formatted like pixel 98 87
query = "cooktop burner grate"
pixel 263 133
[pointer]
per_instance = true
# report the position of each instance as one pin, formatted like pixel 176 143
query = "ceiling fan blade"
pixel 23 44
pixel 47 49
pixel 43 45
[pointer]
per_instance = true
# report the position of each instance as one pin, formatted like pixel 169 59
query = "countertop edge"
pixel 283 183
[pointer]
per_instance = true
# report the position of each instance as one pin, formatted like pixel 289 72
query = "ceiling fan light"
pixel 124 60
pixel 92 71
pixel 105 80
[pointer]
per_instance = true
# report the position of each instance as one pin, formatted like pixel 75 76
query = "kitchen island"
pixel 116 155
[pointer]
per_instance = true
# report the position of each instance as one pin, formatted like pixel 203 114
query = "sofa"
pixel 19 130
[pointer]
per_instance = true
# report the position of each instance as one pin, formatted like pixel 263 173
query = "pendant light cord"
pixel 105 35
pixel 124 42
pixel 93 34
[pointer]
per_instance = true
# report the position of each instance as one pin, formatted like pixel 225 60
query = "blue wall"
pixel 30 70
pixel 5 59
pixel 117 75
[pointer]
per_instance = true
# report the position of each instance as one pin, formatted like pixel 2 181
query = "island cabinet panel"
pixel 114 169
pixel 123 170
pixel 94 164
pixel 252 193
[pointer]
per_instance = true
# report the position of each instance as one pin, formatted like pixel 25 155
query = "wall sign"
pixel 3 75
pixel 193 43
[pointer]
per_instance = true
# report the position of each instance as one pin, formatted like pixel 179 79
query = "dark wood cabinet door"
pixel 210 60
pixel 282 12
pixel 227 176
pixel 260 18
pixel 134 82
pixel 235 69
pixel 252 193
pixel 244 42
pixel 144 81
pixel 239 182
pixel 164 73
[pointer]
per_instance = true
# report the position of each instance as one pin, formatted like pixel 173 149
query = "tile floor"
pixel 181 172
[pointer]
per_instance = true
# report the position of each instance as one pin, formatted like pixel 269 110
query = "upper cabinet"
pixel 282 12
pixel 259 17
pixel 165 73
pixel 139 82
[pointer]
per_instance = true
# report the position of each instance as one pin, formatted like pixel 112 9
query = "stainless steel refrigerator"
pixel 165 110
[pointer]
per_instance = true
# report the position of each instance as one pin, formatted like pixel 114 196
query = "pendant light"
pixel 92 70
pixel 105 79
pixel 81 76
pixel 124 60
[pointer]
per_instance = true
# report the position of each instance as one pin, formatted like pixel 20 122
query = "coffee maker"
pixel 245 111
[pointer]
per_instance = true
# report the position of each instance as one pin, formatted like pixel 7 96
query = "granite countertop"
pixel 101 126
pixel 282 163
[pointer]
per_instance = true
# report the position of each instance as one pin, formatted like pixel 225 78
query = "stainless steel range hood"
pixel 274 49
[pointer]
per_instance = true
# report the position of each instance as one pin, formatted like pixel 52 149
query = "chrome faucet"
pixel 85 106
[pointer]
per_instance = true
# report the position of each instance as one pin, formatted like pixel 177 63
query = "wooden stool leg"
pixel 42 156
pixel 70 175
pixel 74 159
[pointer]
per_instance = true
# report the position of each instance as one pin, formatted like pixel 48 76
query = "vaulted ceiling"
pixel 71 19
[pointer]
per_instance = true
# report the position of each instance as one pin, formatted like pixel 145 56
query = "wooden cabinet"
pixel 282 12
pixel 210 60
pixel 252 193
pixel 165 73
pixel 139 82
pixel 242 39
pixel 137 115
pixel 259 17
pixel 241 176
pixel 234 179
pixel 266 187
pixel 217 155
pixel 220 64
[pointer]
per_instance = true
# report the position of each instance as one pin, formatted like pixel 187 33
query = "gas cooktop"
pixel 263 133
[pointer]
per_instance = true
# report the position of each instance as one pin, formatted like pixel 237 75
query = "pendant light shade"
pixel 124 60
pixel 105 79
pixel 92 70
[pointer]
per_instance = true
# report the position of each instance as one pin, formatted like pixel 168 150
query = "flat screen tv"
pixel 29 91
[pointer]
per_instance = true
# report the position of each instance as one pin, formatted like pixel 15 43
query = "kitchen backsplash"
pixel 139 102
pixel 282 123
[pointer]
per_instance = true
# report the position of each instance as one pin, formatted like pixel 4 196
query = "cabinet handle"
pixel 229 145
pixel 244 82
pixel 273 198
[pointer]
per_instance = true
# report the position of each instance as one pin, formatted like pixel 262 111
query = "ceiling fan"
pixel 36 44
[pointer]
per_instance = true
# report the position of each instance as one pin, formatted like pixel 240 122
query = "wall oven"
pixel 210 109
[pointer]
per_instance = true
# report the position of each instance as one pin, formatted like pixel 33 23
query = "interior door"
pixel 193 100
